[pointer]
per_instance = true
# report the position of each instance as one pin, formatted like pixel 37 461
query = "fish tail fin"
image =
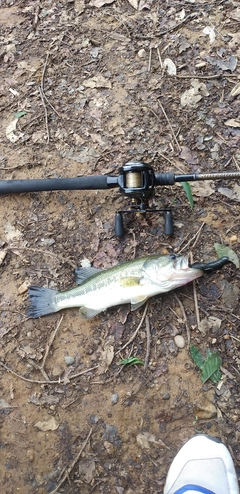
pixel 42 301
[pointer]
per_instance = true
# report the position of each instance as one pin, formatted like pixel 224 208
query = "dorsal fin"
pixel 82 274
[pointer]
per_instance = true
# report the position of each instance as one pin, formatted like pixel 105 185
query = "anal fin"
pixel 138 302
pixel 86 313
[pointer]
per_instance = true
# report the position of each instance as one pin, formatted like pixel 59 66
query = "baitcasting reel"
pixel 136 180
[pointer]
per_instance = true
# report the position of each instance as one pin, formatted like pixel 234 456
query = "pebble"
pixel 69 360
pixel 94 419
pixel 142 53
pixel 166 396
pixel 114 398
pixel 23 288
pixel 30 454
pixel 179 341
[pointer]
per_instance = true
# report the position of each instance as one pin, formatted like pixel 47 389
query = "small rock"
pixel 109 447
pixel 30 454
pixel 57 370
pixel 114 398
pixel 4 404
pixel 233 238
pixel 166 396
pixel 179 341
pixel 23 288
pixel 142 53
pixel 69 360
pixel 205 410
pixel 93 419
pixel 111 435
pixel 172 347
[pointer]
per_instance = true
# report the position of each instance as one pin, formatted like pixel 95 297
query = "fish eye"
pixel 172 256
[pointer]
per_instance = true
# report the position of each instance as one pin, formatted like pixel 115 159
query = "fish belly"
pixel 105 297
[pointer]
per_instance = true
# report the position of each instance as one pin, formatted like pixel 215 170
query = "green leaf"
pixel 188 191
pixel 19 114
pixel 196 356
pixel 224 250
pixel 215 378
pixel 131 361
pixel 210 366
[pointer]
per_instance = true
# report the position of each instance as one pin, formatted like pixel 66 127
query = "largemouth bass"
pixel 132 281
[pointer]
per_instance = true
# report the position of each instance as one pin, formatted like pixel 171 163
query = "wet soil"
pixel 85 88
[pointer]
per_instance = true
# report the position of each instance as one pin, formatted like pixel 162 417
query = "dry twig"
pixel 46 114
pixel 135 332
pixel 195 296
pixel 59 381
pixel 148 333
pixel 193 239
pixel 170 126
pixel 52 337
pixel 184 319
pixel 70 468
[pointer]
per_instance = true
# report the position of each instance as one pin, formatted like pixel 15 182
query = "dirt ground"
pixel 86 87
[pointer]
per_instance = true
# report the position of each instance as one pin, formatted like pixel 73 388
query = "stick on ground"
pixel 69 469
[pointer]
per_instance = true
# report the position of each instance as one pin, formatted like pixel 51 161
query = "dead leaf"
pixel 4 404
pixel 209 323
pixel 230 295
pixel 79 6
pixel 32 65
pixel 204 409
pixel 47 425
pixel 203 189
pixel 97 81
pixel 230 63
pixel 145 4
pixel 191 97
pixel 144 438
pixel 225 250
pixel 210 31
pixel 11 131
pixel 180 15
pixel 106 357
pixel 170 66
pixel 87 470
pixel 235 14
pixel 11 232
pixel 100 3
pixel 233 193
pixel 3 254
pixel 235 90
pixel 233 122
pixel 190 157
pixel 134 3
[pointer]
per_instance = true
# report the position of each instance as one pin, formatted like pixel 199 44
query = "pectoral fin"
pixel 138 302
pixel 130 281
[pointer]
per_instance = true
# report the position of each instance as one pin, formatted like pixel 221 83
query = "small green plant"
pixel 188 191
pixel 131 361
pixel 210 366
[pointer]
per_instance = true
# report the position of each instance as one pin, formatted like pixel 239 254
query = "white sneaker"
pixel 203 465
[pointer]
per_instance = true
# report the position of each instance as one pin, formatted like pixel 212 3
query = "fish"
pixel 129 282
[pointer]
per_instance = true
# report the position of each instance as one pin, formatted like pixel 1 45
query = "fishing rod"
pixel 136 180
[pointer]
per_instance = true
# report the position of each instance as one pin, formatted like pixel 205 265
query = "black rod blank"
pixel 78 183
